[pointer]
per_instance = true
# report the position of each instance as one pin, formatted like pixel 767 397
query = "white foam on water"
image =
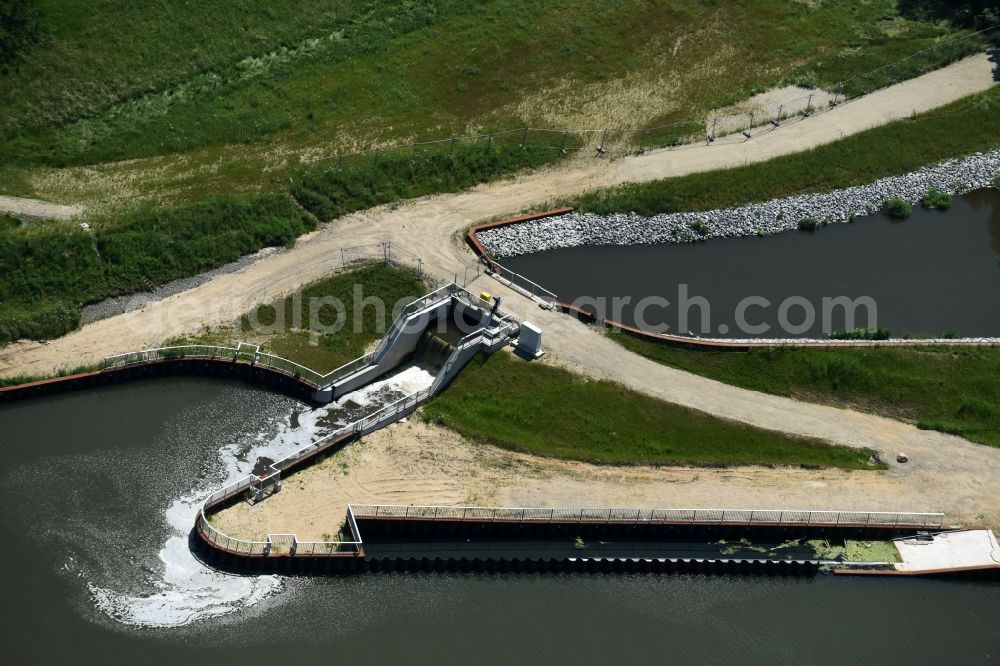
pixel 188 590
pixel 409 380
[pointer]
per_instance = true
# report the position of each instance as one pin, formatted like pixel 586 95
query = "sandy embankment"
pixel 418 463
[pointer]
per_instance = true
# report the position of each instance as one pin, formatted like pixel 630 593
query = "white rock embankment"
pixel 759 219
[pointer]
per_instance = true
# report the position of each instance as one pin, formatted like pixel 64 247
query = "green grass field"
pixel 554 412
pixel 960 128
pixel 953 390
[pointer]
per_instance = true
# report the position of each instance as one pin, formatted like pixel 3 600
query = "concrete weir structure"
pixel 460 321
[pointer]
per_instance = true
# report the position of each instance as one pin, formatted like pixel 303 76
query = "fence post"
pixel 604 139
pixel 562 146
pixel 524 138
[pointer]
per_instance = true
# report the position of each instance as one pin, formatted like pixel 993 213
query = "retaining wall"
pixel 399 530
pixel 240 370
pixel 417 529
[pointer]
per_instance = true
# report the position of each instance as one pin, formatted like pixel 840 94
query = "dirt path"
pixel 34 209
pixel 431 226
pixel 415 463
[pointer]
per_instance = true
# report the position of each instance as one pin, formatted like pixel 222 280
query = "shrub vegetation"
pixel 337 190
pixel 879 333
pixel 699 227
pixel 936 198
pixel 896 208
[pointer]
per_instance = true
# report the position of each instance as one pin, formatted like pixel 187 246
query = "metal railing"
pixel 252 355
pixel 421 303
pixel 470 341
pixel 348 369
pixel 385 251
pixel 212 352
pixel 521 283
pixel 386 415
pixel 275 544
pixel 785 517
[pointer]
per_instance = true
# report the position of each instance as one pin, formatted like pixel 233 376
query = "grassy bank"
pixel 549 411
pixel 953 390
pixel 964 127
pixel 14 380
pixel 49 270
pixel 280 329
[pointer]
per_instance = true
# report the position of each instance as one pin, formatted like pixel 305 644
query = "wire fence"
pixel 740 125
pixel 385 252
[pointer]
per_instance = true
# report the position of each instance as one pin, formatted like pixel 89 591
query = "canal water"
pixel 936 273
pixel 98 488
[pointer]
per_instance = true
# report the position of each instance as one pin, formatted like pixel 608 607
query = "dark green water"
pixel 88 479
pixel 936 273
